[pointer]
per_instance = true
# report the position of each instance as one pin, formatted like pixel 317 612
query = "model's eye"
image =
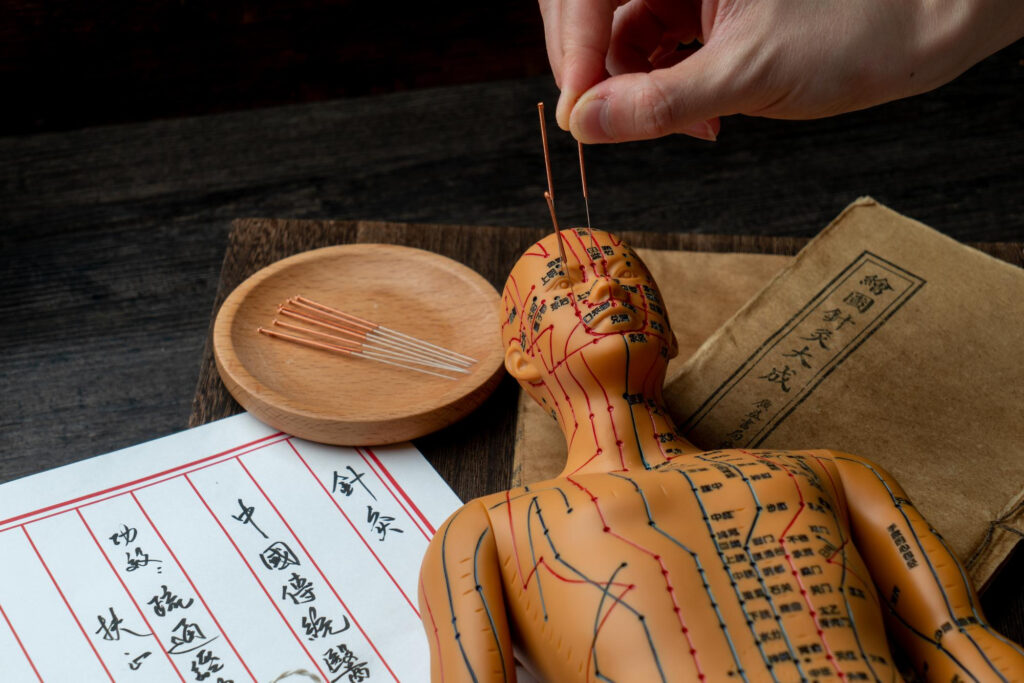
pixel 625 274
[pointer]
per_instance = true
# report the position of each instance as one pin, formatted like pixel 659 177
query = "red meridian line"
pixel 360 535
pixel 845 540
pixel 401 491
pixel 66 603
pixel 437 639
pixel 254 575
pixel 129 593
pixel 315 564
pixel 650 413
pixel 512 532
pixel 543 251
pixel 136 481
pixel 583 269
pixel 796 575
pixel 608 403
pixel 188 578
pixel 542 562
pixel 593 263
pixel 618 601
pixel 20 644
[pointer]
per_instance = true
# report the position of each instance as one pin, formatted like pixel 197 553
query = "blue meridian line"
pixel 927 560
pixel 630 608
pixel 842 589
pixel 757 570
pixel 936 643
pixel 597 620
pixel 735 587
pixel 451 605
pixel 974 610
pixel 632 417
pixel 533 555
pixel 700 571
pixel 528 491
pixel 487 609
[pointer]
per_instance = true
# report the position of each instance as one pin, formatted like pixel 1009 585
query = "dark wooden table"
pixel 112 237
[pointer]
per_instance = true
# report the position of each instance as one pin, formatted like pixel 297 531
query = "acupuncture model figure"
pixel 649 560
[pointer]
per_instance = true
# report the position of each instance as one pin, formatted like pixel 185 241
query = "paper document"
pixel 229 552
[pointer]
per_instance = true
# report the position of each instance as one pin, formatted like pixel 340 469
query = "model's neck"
pixel 608 432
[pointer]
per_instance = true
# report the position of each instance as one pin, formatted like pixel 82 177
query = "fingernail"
pixel 701 130
pixel 590 120
pixel 562 110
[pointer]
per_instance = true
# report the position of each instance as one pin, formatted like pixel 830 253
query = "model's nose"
pixel 606 288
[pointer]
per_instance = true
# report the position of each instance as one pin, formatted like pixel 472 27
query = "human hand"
pixel 622 77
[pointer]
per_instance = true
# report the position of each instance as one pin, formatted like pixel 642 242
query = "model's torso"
pixel 732 565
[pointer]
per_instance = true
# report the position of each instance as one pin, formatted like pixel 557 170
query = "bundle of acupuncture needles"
pixel 329 329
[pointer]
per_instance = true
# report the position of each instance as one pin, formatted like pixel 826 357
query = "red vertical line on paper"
pixel 316 565
pixel 79 499
pixel 188 578
pixel 130 596
pixel 254 576
pixel 437 639
pixel 347 519
pixel 20 644
pixel 393 494
pixel 66 603
pixel 398 487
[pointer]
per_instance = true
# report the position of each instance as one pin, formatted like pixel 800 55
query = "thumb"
pixel 686 98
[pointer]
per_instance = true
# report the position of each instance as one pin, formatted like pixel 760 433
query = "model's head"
pixel 597 319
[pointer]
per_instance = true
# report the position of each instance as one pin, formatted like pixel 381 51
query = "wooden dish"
pixel 321 396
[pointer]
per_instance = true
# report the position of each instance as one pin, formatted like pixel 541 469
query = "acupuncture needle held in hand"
pixel 550 194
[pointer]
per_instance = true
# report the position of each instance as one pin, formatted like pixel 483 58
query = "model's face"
pixel 603 300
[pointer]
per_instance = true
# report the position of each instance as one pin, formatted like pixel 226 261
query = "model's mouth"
pixel 612 314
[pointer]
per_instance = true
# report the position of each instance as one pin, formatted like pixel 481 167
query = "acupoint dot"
pixel 591 416
pixel 657 557
pixel 692 651
pixel 611 408
pixel 607 529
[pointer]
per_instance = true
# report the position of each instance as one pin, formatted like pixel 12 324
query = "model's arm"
pixel 462 603
pixel 934 612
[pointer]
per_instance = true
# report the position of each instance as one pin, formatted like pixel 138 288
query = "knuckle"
pixel 652 110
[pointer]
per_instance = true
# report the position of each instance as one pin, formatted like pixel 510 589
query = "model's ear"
pixel 673 345
pixel 519 364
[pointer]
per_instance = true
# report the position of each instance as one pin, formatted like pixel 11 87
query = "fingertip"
pixel 589 120
pixel 564 108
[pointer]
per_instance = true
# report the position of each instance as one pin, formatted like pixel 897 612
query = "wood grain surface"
pixel 344 399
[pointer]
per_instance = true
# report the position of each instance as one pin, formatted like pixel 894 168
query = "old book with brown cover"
pixel 884 338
